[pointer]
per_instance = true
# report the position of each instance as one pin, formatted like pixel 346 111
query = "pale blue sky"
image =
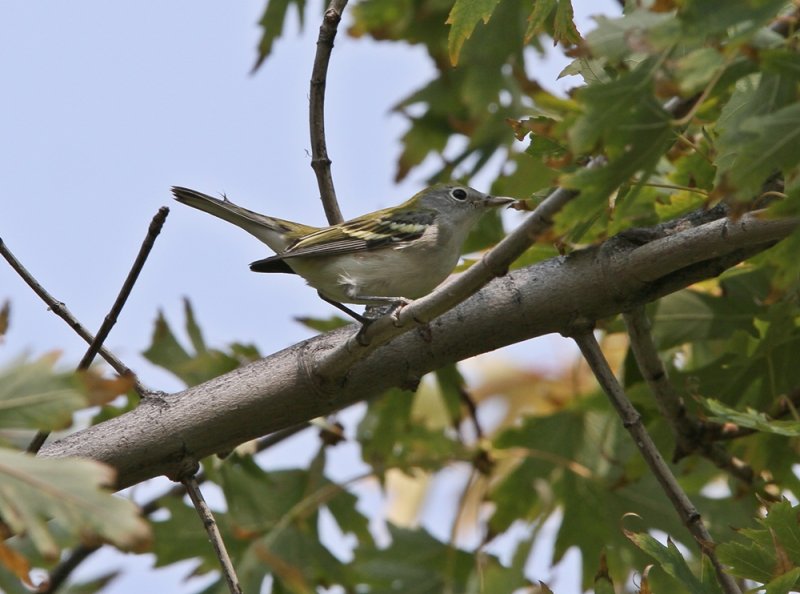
pixel 105 105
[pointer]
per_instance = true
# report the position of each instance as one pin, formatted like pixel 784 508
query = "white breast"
pixel 409 271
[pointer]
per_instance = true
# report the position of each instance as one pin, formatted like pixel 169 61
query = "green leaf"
pixel 539 17
pixel 33 396
pixel 755 95
pixel 770 554
pixel 772 145
pixel 782 522
pixel 451 387
pixel 696 69
pixel 555 16
pixel 613 38
pixel 166 351
pixel 427 134
pixel 690 316
pixel 324 324
pixel 750 419
pixel 71 492
pixel 299 561
pixel 272 24
pixel 258 500
pixel 344 508
pixel 5 314
pixel 703 20
pixel 564 29
pixel 463 18
pixel 388 417
pixel 415 563
pixel 618 111
pixel 192 329
pixel 182 536
pixel 672 562
pixel 785 583
pixel 749 561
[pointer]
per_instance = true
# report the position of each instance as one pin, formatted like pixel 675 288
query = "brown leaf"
pixel 101 390
pixel 290 575
pixel 17 564
pixel 663 6
pixel 644 586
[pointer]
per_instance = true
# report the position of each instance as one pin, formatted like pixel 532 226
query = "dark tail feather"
pixel 271 265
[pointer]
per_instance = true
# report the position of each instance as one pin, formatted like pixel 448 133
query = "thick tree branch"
pixel 108 323
pixel 320 161
pixel 293 387
pixel 632 421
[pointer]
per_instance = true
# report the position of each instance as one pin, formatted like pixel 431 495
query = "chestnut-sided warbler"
pixel 382 258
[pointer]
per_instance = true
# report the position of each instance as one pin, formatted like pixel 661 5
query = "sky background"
pixel 105 105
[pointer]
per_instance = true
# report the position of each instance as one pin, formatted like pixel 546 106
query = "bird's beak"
pixel 499 200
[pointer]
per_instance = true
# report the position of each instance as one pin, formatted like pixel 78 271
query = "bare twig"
pixel 633 423
pixel 80 553
pixel 690 433
pixel 472 409
pixel 58 308
pixel 320 161
pixel 144 251
pixel 193 489
pixel 108 323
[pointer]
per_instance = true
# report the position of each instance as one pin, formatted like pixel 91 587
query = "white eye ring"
pixel 459 194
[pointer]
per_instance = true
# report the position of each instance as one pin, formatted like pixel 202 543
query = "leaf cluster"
pixel 47 505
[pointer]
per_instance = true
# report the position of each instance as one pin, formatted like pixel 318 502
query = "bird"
pixel 385 258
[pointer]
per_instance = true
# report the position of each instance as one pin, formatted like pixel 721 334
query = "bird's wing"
pixel 373 231
pixel 364 233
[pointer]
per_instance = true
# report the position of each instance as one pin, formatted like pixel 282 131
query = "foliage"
pixel 47 504
pixel 685 105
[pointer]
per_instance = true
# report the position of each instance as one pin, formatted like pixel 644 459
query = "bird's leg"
pixel 363 320
pixel 376 303
pixel 341 307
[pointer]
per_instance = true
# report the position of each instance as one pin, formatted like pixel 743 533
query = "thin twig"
pixel 320 161
pixel 144 251
pixel 62 571
pixel 210 524
pixel 108 323
pixel 632 421
pixel 690 433
pixel 472 409
pixel 58 308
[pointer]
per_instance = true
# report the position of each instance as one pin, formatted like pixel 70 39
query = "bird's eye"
pixel 459 194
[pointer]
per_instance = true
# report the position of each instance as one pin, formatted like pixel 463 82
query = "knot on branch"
pixel 184 468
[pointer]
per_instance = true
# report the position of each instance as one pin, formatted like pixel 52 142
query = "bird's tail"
pixel 276 233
